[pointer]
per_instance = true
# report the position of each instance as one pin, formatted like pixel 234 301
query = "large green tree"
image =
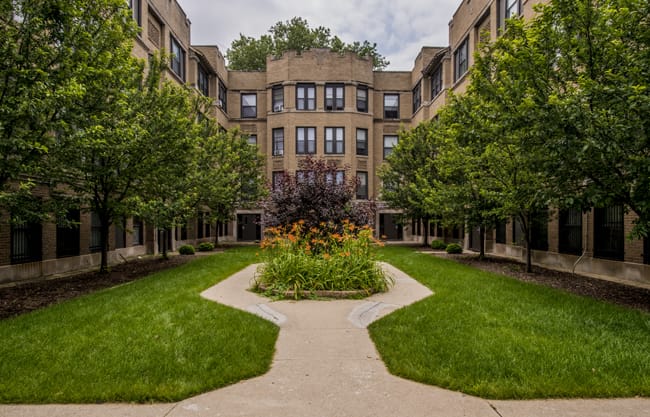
pixel 229 173
pixel 409 174
pixel 53 57
pixel 249 54
pixel 601 102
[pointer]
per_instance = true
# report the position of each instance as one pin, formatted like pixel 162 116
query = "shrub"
pixel 438 245
pixel 454 248
pixel 206 247
pixel 186 250
pixel 320 258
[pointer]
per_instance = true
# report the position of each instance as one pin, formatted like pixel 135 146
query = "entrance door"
pixel 389 228
pixel 248 227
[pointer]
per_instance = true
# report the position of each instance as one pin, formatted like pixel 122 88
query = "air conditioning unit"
pixel 278 107
pixel 219 103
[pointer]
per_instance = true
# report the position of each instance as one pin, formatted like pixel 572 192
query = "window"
pixel 306 97
pixel 26 243
pixel 178 58
pixel 138 232
pixel 305 140
pixel 202 82
pixel 391 106
pixel 436 82
pixel 278 142
pixel 277 98
pixel 501 231
pixel 609 233
pixel 248 105
pixel 417 96
pixel 95 233
pixel 570 239
pixel 223 94
pixel 461 60
pixel 277 178
pixel 120 233
pixel 67 235
pixel 200 226
pixel 136 9
pixel 337 178
pixel 362 98
pixel 252 140
pixel 362 142
pixel 334 97
pixel 512 8
pixel 362 185
pixel 518 236
pixel 334 140
pixel 389 144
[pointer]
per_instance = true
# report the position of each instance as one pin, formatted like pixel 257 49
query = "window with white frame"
pixel 252 140
pixel 362 185
pixel 334 140
pixel 305 140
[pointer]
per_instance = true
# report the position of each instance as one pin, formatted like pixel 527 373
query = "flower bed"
pixel 303 261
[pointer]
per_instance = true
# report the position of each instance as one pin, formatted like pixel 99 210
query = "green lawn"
pixel 150 340
pixel 496 337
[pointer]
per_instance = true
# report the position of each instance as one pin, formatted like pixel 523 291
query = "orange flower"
pixel 326 256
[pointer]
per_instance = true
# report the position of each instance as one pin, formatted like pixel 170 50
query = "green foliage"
pixel 206 247
pixel 508 339
pixel 454 248
pixel 249 54
pixel 326 257
pixel 61 65
pixel 143 342
pixel 438 245
pixel 186 250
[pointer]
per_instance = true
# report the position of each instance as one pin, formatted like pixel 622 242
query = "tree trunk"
pixel 481 234
pixel 529 238
pixel 164 243
pixel 104 232
pixel 216 233
pixel 426 232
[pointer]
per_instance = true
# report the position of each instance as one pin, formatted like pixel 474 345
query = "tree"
pixel 229 173
pixel 52 57
pixel 409 175
pixel 601 100
pixel 318 192
pixel 249 54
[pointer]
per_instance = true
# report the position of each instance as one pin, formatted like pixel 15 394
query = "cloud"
pixel 398 27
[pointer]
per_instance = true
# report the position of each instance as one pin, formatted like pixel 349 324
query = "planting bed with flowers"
pixel 305 261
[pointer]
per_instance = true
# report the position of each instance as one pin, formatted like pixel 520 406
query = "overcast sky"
pixel 398 27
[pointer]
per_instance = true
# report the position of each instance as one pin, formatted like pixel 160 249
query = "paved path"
pixel 325 365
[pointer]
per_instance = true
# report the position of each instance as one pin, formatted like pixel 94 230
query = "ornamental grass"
pixel 300 261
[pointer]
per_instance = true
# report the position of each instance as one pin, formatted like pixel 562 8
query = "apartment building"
pixel 334 106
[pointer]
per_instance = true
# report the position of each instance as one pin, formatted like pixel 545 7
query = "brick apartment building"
pixel 334 106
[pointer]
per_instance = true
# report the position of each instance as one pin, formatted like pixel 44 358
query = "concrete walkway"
pixel 325 365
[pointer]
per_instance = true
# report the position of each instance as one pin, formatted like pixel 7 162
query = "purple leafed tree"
pixel 319 191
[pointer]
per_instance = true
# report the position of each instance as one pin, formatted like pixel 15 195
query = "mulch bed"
pixel 27 297
pixel 613 292
pixel 30 296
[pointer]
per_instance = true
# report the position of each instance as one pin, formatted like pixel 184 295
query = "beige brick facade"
pixel 420 93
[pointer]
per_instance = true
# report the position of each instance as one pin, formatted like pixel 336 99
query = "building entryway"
pixel 248 227
pixel 389 227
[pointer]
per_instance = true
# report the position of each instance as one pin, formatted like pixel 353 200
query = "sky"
pixel 398 27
